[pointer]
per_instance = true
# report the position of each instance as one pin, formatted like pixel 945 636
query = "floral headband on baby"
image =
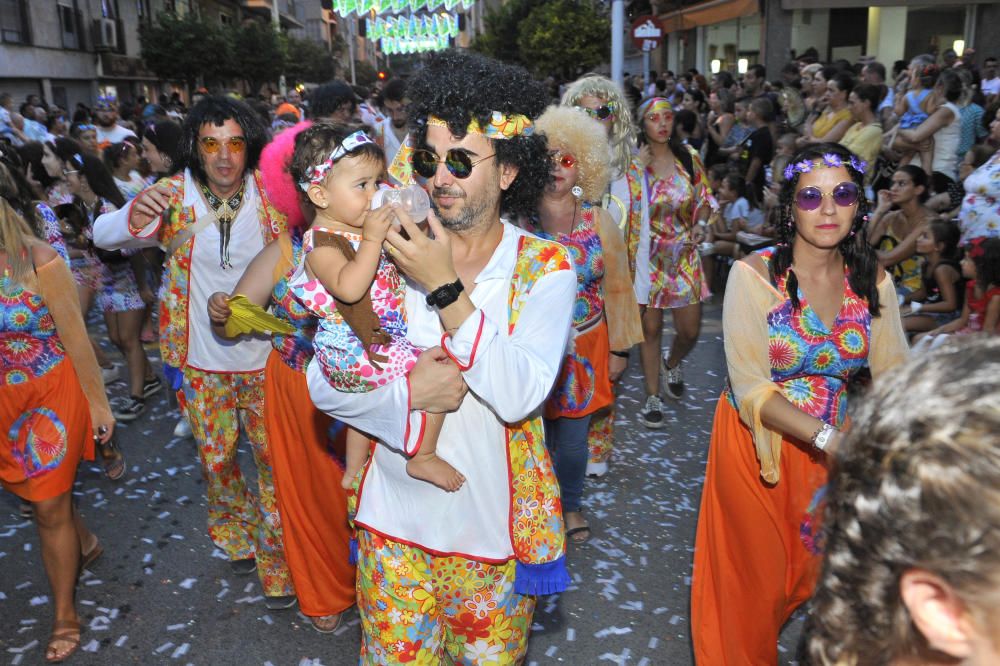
pixel 316 174
pixel 829 161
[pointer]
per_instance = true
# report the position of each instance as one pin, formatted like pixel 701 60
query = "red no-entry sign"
pixel 647 32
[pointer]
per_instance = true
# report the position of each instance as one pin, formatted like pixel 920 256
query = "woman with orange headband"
pixel 680 203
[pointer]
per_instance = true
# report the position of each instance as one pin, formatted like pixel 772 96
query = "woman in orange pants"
pixel 798 321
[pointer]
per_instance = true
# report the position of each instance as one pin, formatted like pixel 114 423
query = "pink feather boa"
pixel 281 189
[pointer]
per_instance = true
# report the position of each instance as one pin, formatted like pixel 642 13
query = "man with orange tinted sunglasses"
pixel 213 218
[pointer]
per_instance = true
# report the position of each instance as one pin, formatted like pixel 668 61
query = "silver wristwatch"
pixel 823 436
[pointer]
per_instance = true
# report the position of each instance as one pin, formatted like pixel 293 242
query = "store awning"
pixel 708 13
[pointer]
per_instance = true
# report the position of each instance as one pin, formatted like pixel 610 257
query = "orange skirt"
pixel 755 556
pixel 584 385
pixel 311 502
pixel 46 428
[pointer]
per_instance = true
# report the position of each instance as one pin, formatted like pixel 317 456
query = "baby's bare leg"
pixel 425 464
pixel 356 454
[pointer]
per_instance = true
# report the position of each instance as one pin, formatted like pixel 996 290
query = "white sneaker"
pixel 182 429
pixel 596 469
pixel 110 375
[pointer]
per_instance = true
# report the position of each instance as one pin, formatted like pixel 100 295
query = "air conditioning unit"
pixel 105 34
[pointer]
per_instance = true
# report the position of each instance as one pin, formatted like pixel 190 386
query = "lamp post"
pixel 618 41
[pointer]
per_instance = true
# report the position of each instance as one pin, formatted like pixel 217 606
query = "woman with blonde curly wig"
pixel 606 315
pixel 912 567
pixel 626 201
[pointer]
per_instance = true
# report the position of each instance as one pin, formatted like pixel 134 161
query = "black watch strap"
pixel 445 295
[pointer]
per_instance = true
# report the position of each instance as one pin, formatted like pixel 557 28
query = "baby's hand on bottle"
pixel 377 223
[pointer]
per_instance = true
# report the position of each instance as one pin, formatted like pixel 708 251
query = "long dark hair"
pixel 31 154
pixel 98 178
pixel 14 187
pixel 859 257
pixel 216 110
pixel 681 152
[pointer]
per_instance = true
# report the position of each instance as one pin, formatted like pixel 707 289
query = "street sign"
pixel 647 32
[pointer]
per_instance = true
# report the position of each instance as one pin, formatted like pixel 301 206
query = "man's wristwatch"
pixel 823 436
pixel 445 295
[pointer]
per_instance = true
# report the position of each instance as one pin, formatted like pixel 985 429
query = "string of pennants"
pixel 394 45
pixel 428 26
pixel 362 7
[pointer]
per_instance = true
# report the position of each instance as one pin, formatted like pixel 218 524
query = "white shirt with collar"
pixel 509 378
pixel 206 351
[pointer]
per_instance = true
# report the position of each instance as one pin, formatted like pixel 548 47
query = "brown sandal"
pixel 326 624
pixel 113 460
pixel 91 555
pixel 66 632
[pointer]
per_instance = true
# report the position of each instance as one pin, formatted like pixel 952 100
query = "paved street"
pixel 163 594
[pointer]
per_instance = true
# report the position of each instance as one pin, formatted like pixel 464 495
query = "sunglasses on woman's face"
pixel 602 113
pixel 458 162
pixel 211 145
pixel 844 195
pixel 564 160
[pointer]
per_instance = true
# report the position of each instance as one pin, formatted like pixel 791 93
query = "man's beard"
pixel 471 215
pixel 105 122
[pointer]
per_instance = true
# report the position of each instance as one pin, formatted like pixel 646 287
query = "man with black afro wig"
pixel 213 217
pixel 504 300
pixel 459 87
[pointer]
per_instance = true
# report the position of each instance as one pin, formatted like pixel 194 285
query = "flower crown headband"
pixel 316 174
pixel 829 161
pixel 501 125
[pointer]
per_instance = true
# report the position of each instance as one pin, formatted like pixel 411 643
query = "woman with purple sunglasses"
pixel 799 320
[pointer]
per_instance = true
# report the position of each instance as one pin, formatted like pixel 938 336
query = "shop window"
pixel 14 22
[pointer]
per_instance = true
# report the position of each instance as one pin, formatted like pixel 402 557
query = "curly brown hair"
pixel 916 485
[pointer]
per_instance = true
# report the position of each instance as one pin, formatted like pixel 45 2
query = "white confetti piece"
pixel 176 627
pixel 163 648
pixel 121 640
pixel 180 651
pixel 188 583
pixel 570 634
pixel 38 601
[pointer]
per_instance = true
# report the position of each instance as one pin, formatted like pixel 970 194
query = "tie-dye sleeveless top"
pixel 584 245
pixel 810 363
pixel 296 349
pixel 29 343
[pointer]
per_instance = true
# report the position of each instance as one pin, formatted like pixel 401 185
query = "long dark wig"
pixel 459 86
pixel 216 110
pixel 859 257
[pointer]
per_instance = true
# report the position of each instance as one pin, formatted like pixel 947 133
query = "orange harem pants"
pixel 311 502
pixel 754 556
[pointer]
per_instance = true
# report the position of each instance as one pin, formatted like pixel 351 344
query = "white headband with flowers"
pixel 316 174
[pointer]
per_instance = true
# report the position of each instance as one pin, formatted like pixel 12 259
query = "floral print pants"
pixel 416 607
pixel 217 405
